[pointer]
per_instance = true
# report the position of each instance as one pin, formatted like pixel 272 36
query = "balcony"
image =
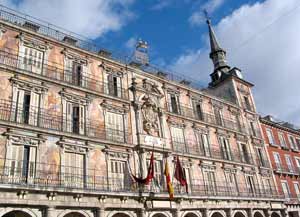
pixel 189 112
pixel 53 120
pixel 53 177
pixel 56 72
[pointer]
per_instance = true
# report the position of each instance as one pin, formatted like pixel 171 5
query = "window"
pixel 247 103
pixel 285 189
pixel 244 153
pixel 270 136
pixel 250 184
pixel 261 157
pixel 225 149
pixel 25 107
pixel 267 186
pixel 282 140
pixel 298 164
pixel 289 163
pixel 231 182
pixel 210 182
pixel 297 189
pixel 173 103
pixel 117 175
pixel 198 110
pixel 219 116
pixel 204 144
pixel 253 128
pixel 22 162
pixel 31 59
pixel 74 169
pixel 114 126
pixel 114 85
pixel 74 117
pixel 298 143
pixel 178 139
pixel 292 142
pixel 75 72
pixel 277 160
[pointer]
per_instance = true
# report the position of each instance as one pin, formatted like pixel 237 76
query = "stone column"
pixel 176 213
pixel 250 212
pixel 228 212
pixel 205 212
pixel 50 212
pixel 100 212
pixel 142 213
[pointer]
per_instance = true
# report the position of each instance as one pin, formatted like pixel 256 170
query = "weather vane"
pixel 206 15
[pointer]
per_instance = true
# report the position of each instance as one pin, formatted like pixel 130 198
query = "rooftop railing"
pixel 30 174
pixel 44 28
pixel 53 120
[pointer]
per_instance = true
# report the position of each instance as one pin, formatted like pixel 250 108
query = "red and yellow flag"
pixel 168 181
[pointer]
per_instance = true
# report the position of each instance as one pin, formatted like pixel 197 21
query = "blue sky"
pixel 261 37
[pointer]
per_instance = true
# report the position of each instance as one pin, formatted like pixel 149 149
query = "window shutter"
pixel 34 108
pixel 84 76
pixel 68 70
pixel 32 163
pixel 19 108
pixel 82 117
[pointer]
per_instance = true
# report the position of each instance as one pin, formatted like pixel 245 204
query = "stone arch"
pixel 191 214
pixel 15 212
pixel 160 214
pixel 275 214
pixel 121 214
pixel 217 214
pixel 239 213
pixel 258 213
pixel 74 213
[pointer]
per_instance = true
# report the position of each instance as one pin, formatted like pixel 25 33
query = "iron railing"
pixel 190 146
pixel 54 120
pixel 280 168
pixel 32 174
pixel 57 72
pixel 189 112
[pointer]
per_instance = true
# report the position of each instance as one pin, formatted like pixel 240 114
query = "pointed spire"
pixel 214 44
pixel 217 54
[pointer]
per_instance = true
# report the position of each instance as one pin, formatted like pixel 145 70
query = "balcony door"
pixel 73 168
pixel 250 185
pixel 21 164
pixel 114 127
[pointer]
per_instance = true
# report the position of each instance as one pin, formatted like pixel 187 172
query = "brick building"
pixel 283 146
pixel 76 120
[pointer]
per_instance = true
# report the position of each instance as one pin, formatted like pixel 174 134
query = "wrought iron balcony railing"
pixel 53 120
pixel 57 72
pixel 280 168
pixel 189 146
pixel 189 112
pixel 29 174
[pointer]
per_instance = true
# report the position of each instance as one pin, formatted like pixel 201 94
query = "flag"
pixel 168 181
pixel 180 175
pixel 150 174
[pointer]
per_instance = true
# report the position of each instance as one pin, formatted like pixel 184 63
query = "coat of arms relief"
pixel 150 109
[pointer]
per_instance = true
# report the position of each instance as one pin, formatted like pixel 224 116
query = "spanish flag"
pixel 168 181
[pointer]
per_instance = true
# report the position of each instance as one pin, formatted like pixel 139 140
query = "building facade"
pixel 283 146
pixel 76 121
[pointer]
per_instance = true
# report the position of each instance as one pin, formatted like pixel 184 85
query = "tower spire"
pixel 217 55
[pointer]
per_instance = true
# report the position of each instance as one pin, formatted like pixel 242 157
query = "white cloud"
pixel 270 59
pixel 210 6
pixel 91 18
pixel 130 43
pixel 161 4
